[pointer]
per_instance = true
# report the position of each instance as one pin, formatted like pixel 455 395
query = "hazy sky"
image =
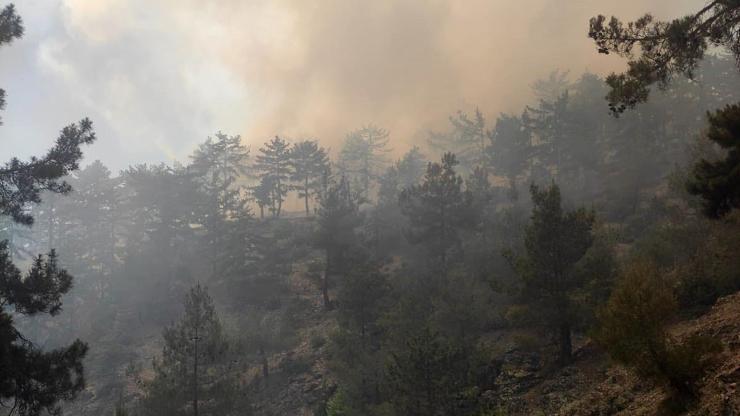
pixel 159 76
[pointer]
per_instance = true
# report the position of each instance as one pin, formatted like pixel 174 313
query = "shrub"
pixel 337 405
pixel 633 328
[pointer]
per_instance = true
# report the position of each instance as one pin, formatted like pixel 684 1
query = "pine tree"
pixel 666 49
pixel 262 194
pixel 308 162
pixel 555 241
pixel 33 381
pixel 363 156
pixel 410 168
pixel 357 357
pixel 510 150
pixel 159 204
pixel 88 236
pixel 218 164
pixel 273 164
pixel 338 217
pixel 11 28
pixel 360 299
pixel 437 209
pixel 467 140
pixel 427 377
pixel 196 374
pixel 718 181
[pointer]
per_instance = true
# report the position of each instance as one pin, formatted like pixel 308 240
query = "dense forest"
pixel 449 279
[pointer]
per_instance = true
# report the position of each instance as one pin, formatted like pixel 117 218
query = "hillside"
pixel 524 384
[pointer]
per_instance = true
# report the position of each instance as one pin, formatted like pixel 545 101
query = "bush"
pixel 317 341
pixel 337 405
pixel 633 328
pixel 712 271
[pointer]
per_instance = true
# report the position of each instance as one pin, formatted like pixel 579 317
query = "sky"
pixel 157 77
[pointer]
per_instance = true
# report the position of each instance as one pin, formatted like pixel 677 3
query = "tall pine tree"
pixel 308 162
pixel 273 166
pixel 555 240
pixel 437 209
pixel 33 381
pixel 363 156
pixel 196 374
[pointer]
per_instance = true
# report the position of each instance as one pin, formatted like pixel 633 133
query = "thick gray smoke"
pixel 158 77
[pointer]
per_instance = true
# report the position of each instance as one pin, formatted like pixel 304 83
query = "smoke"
pixel 158 77
pixel 334 65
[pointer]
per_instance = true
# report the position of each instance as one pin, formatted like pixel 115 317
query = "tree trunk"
pixel 305 194
pixel 195 375
pixel 325 284
pixel 566 344
pixel 265 366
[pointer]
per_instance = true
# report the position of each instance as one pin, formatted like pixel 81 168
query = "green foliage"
pixel 309 162
pixel 437 209
pixel 633 327
pixel 337 405
pixel 417 319
pixel 360 299
pixel 195 368
pixel 33 381
pixel 510 149
pixel 427 377
pixel 718 181
pixel 711 271
pixel 555 241
pixel 273 167
pixel 23 182
pixel 410 168
pixel 11 28
pixel 666 49
pixel 338 217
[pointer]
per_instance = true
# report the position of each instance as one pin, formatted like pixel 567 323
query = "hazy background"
pixel 157 77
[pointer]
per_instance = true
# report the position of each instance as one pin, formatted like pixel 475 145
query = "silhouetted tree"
pixel 338 217
pixel 437 208
pixel 552 87
pixel 262 194
pixel 273 164
pixel 216 167
pixel 11 28
pixel 718 181
pixel 467 140
pixel 33 381
pixel 218 164
pixel 308 162
pixel 555 241
pixel 427 377
pixel 510 150
pixel 410 168
pixel 363 156
pixel 88 235
pixel 195 374
pixel 666 49
pixel 159 204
